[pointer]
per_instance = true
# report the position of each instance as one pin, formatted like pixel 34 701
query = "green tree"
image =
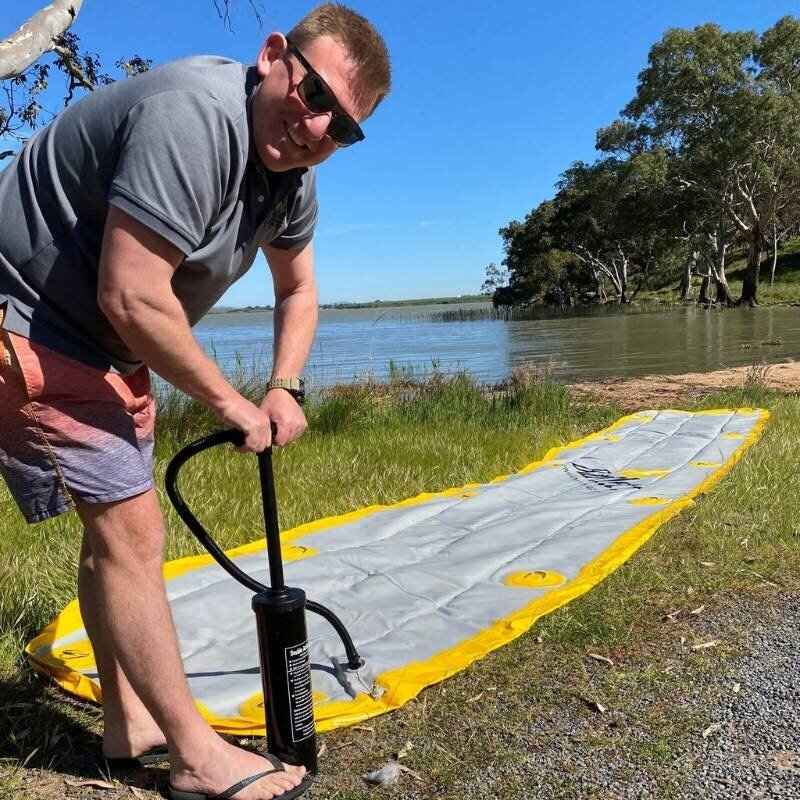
pixel 602 235
pixel 725 107
pixel 536 270
pixel 614 216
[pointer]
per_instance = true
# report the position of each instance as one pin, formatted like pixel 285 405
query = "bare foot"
pixel 224 766
pixel 125 738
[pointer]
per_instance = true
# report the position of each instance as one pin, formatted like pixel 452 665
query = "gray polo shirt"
pixel 171 148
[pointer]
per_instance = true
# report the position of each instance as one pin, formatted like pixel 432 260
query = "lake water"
pixel 354 343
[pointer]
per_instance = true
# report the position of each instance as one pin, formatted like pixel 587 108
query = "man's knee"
pixel 130 529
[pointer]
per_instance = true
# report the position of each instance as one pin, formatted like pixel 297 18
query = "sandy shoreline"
pixel 664 390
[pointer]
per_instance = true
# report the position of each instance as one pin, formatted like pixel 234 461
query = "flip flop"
pixel 155 755
pixel 229 793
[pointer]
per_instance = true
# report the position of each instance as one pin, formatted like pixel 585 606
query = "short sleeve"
pixel 302 217
pixel 178 160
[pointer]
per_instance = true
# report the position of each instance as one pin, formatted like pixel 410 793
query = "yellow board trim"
pixel 535 579
pixel 403 684
pixel 644 473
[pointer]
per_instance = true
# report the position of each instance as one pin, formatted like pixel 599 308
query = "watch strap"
pixel 293 383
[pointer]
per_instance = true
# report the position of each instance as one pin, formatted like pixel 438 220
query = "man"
pixel 122 223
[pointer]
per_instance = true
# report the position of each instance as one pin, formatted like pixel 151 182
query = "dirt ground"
pixel 665 390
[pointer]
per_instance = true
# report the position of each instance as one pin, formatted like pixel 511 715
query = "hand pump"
pixel 280 617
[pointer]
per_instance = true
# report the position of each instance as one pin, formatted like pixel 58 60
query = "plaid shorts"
pixel 69 430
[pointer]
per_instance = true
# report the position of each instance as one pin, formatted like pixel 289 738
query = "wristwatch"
pixel 294 385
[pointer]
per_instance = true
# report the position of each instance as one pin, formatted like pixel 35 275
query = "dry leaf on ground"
pixel 405 749
pixel 786 760
pixel 713 728
pixel 94 783
pixel 598 657
pixel 594 705
pixel 415 775
pixel 705 645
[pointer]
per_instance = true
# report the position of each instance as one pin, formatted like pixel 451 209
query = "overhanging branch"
pixel 36 36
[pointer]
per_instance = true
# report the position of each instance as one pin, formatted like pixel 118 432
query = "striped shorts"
pixel 68 430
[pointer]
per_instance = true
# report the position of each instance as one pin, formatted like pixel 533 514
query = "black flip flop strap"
pixel 229 793
pixel 275 761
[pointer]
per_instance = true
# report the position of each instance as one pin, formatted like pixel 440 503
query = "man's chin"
pixel 277 160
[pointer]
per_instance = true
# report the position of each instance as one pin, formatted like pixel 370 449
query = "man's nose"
pixel 317 124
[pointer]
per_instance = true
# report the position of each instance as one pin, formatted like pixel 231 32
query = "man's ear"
pixel 274 48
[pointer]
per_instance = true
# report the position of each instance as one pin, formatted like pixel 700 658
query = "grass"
pixel 371 443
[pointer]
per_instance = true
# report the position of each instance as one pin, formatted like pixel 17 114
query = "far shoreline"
pixel 421 301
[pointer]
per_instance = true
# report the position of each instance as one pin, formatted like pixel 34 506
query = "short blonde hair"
pixel 364 45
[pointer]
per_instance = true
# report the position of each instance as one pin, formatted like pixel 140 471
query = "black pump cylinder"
pixel 286 676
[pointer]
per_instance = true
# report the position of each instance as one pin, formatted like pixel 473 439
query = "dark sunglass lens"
pixel 342 131
pixel 316 95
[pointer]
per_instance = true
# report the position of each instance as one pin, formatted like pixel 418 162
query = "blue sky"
pixel 491 102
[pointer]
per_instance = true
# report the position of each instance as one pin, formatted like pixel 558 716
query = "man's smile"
pixel 292 138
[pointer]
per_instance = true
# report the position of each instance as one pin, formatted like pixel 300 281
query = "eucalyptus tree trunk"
pixel 721 280
pixel 689 269
pixel 717 264
pixel 750 284
pixel 602 294
pixel 723 297
pixel 703 299
pixel 774 254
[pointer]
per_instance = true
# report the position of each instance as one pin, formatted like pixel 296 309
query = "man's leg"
pixel 126 540
pixel 128 727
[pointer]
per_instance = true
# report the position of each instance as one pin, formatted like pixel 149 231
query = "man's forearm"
pixel 295 323
pixel 159 334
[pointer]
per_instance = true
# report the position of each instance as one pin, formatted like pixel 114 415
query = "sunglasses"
pixel 319 98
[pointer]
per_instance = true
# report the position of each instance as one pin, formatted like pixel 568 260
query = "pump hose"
pixel 236 437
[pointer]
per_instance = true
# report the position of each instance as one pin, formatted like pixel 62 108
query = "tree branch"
pixel 76 74
pixel 36 36
pixel 223 8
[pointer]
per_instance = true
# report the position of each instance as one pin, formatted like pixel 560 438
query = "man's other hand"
pixel 238 412
pixel 285 414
